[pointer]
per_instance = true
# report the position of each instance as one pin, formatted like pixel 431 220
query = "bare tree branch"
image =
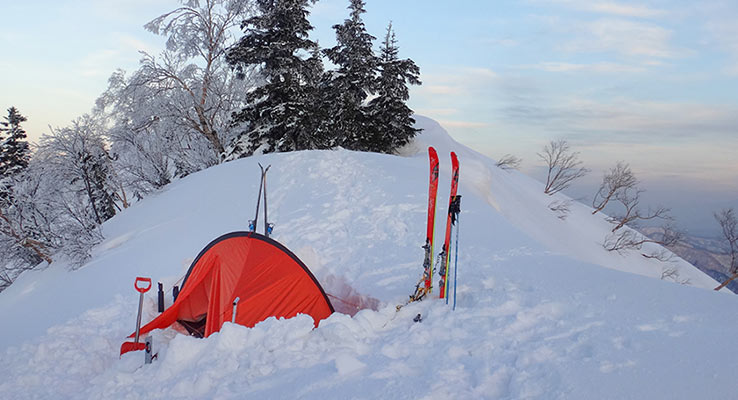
pixel 561 208
pixel 509 161
pixel 629 198
pixel 631 240
pixel 729 227
pixel 618 179
pixel 563 166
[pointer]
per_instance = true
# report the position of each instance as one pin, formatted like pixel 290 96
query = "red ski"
pixel 444 256
pixel 426 282
pixel 432 191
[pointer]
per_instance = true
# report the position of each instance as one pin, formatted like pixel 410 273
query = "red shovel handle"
pixel 140 288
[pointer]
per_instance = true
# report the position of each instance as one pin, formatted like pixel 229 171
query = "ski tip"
pixel 432 151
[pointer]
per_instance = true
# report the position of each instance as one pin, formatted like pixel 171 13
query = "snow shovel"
pixel 142 285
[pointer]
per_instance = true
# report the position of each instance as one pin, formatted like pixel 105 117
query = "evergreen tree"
pixel 94 176
pixel 81 161
pixel 14 150
pixel 392 121
pixel 350 85
pixel 278 114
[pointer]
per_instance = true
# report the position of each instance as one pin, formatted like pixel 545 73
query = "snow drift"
pixel 538 316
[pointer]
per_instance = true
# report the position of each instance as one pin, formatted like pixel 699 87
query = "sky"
pixel 651 83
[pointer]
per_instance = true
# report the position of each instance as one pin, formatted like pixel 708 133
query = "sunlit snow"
pixel 543 311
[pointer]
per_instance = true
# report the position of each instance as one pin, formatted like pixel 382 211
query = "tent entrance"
pixel 197 328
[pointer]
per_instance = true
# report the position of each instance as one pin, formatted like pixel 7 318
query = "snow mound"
pixel 537 315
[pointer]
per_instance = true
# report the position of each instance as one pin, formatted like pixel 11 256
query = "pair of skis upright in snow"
pixel 425 286
pixel 268 227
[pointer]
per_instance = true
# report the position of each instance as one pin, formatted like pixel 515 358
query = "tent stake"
pixel 235 309
pixel 148 355
pixel 160 298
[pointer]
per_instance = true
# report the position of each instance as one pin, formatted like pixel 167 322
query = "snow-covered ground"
pixel 543 310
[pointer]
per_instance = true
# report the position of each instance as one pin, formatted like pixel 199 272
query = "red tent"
pixel 268 278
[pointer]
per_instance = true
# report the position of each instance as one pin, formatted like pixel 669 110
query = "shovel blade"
pixel 131 346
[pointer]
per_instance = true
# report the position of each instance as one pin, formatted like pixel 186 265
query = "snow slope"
pixel 537 315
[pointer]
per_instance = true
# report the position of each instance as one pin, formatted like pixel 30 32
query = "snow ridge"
pixel 537 315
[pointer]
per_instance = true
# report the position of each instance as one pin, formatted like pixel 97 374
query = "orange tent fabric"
pixel 268 278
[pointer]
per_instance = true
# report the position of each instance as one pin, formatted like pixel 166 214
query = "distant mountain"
pixel 709 255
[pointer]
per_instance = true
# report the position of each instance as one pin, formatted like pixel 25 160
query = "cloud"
pixel 99 63
pixel 130 43
pixel 724 33
pixel 463 124
pixel 600 67
pixel 627 120
pixel 506 42
pixel 624 9
pixel 611 8
pixel 123 54
pixel 624 37
pixel 437 111
pixel 443 89
pixel 456 81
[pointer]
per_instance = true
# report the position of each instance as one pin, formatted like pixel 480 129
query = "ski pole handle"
pixel 139 284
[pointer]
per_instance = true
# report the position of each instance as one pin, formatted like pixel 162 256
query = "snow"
pixel 543 311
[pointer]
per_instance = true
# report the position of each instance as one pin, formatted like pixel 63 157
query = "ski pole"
pixel 141 290
pixel 457 212
pixel 456 260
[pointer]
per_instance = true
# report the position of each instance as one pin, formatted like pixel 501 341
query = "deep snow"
pixel 538 316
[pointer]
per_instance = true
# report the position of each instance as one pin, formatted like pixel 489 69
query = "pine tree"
pixel 81 162
pixel 350 85
pixel 278 116
pixel 14 150
pixel 94 176
pixel 392 121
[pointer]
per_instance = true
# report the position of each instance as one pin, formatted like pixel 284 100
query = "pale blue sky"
pixel 653 83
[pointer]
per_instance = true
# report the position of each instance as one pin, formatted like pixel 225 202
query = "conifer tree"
pixel 355 78
pixel 14 150
pixel 94 176
pixel 278 115
pixel 392 121
pixel 80 159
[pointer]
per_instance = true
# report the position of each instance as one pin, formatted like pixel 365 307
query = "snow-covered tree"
pixel 392 124
pixel 183 97
pixel 352 82
pixel 81 162
pixel 278 115
pixel 14 150
pixel 50 208
pixel 30 231
pixel 149 145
